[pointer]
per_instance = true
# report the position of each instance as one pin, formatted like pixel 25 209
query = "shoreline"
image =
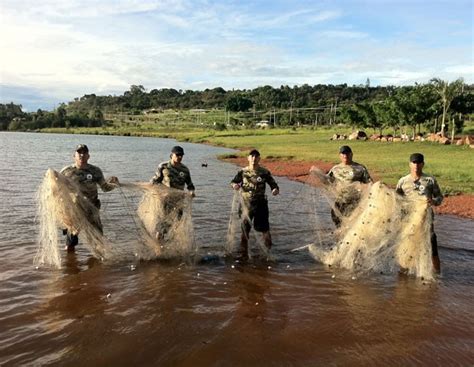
pixel 459 205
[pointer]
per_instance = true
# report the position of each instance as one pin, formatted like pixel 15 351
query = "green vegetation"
pixel 300 121
pixel 452 165
pixel 433 107
pixel 13 118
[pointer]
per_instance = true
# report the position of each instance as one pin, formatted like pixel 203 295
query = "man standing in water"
pixel 418 184
pixel 87 177
pixel 175 175
pixel 251 180
pixel 344 174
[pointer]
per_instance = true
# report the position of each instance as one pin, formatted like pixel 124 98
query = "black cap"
pixel 345 149
pixel 254 152
pixel 82 148
pixel 417 158
pixel 177 150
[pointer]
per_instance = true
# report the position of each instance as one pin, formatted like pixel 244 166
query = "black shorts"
pixel 258 214
pixel 434 244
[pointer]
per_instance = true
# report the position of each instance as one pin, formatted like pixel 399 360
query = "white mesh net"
pixel 161 220
pixel 382 233
pixel 62 205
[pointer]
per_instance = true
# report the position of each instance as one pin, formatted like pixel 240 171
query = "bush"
pixel 220 126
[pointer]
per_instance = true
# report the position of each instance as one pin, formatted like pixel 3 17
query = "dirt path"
pixel 460 205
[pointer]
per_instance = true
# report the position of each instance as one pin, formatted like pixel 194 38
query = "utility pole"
pixel 452 130
pixel 330 114
pixel 291 111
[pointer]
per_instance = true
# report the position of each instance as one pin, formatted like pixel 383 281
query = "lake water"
pixel 289 312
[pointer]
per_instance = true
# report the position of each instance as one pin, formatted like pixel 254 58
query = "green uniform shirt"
pixel 354 172
pixel 172 176
pixel 252 182
pixel 88 178
pixel 347 195
pixel 426 185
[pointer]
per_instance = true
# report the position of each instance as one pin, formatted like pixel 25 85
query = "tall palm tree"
pixel 447 92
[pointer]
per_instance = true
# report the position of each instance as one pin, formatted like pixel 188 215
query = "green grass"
pixel 468 128
pixel 453 166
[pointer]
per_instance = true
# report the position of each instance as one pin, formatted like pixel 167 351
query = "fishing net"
pixel 238 215
pixel 234 228
pixel 379 230
pixel 152 221
pixel 62 205
pixel 166 214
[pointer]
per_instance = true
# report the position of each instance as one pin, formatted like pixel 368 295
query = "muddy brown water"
pixel 291 311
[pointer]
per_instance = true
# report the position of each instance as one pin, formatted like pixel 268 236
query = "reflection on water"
pixel 292 311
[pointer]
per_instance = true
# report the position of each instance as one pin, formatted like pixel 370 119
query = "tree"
pixel 237 103
pixel 8 112
pixel 369 117
pixel 353 116
pixel 96 114
pixel 384 115
pixel 60 116
pixel 137 98
pixel 416 105
pixel 15 124
pixel 447 92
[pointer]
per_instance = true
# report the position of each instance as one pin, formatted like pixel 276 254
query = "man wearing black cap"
pixel 175 175
pixel 343 174
pixel 417 184
pixel 252 181
pixel 88 177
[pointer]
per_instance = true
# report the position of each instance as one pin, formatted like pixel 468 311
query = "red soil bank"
pixel 460 205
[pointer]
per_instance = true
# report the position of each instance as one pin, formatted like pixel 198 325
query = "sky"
pixel 52 51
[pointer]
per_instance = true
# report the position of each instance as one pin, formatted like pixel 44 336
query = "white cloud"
pixel 344 34
pixel 70 48
pixel 296 18
pixel 61 9
pixel 460 69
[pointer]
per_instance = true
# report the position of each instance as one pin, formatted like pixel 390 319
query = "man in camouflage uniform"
pixel 251 181
pixel 344 174
pixel 417 184
pixel 88 177
pixel 175 175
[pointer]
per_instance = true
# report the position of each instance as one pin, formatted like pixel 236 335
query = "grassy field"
pixel 452 165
